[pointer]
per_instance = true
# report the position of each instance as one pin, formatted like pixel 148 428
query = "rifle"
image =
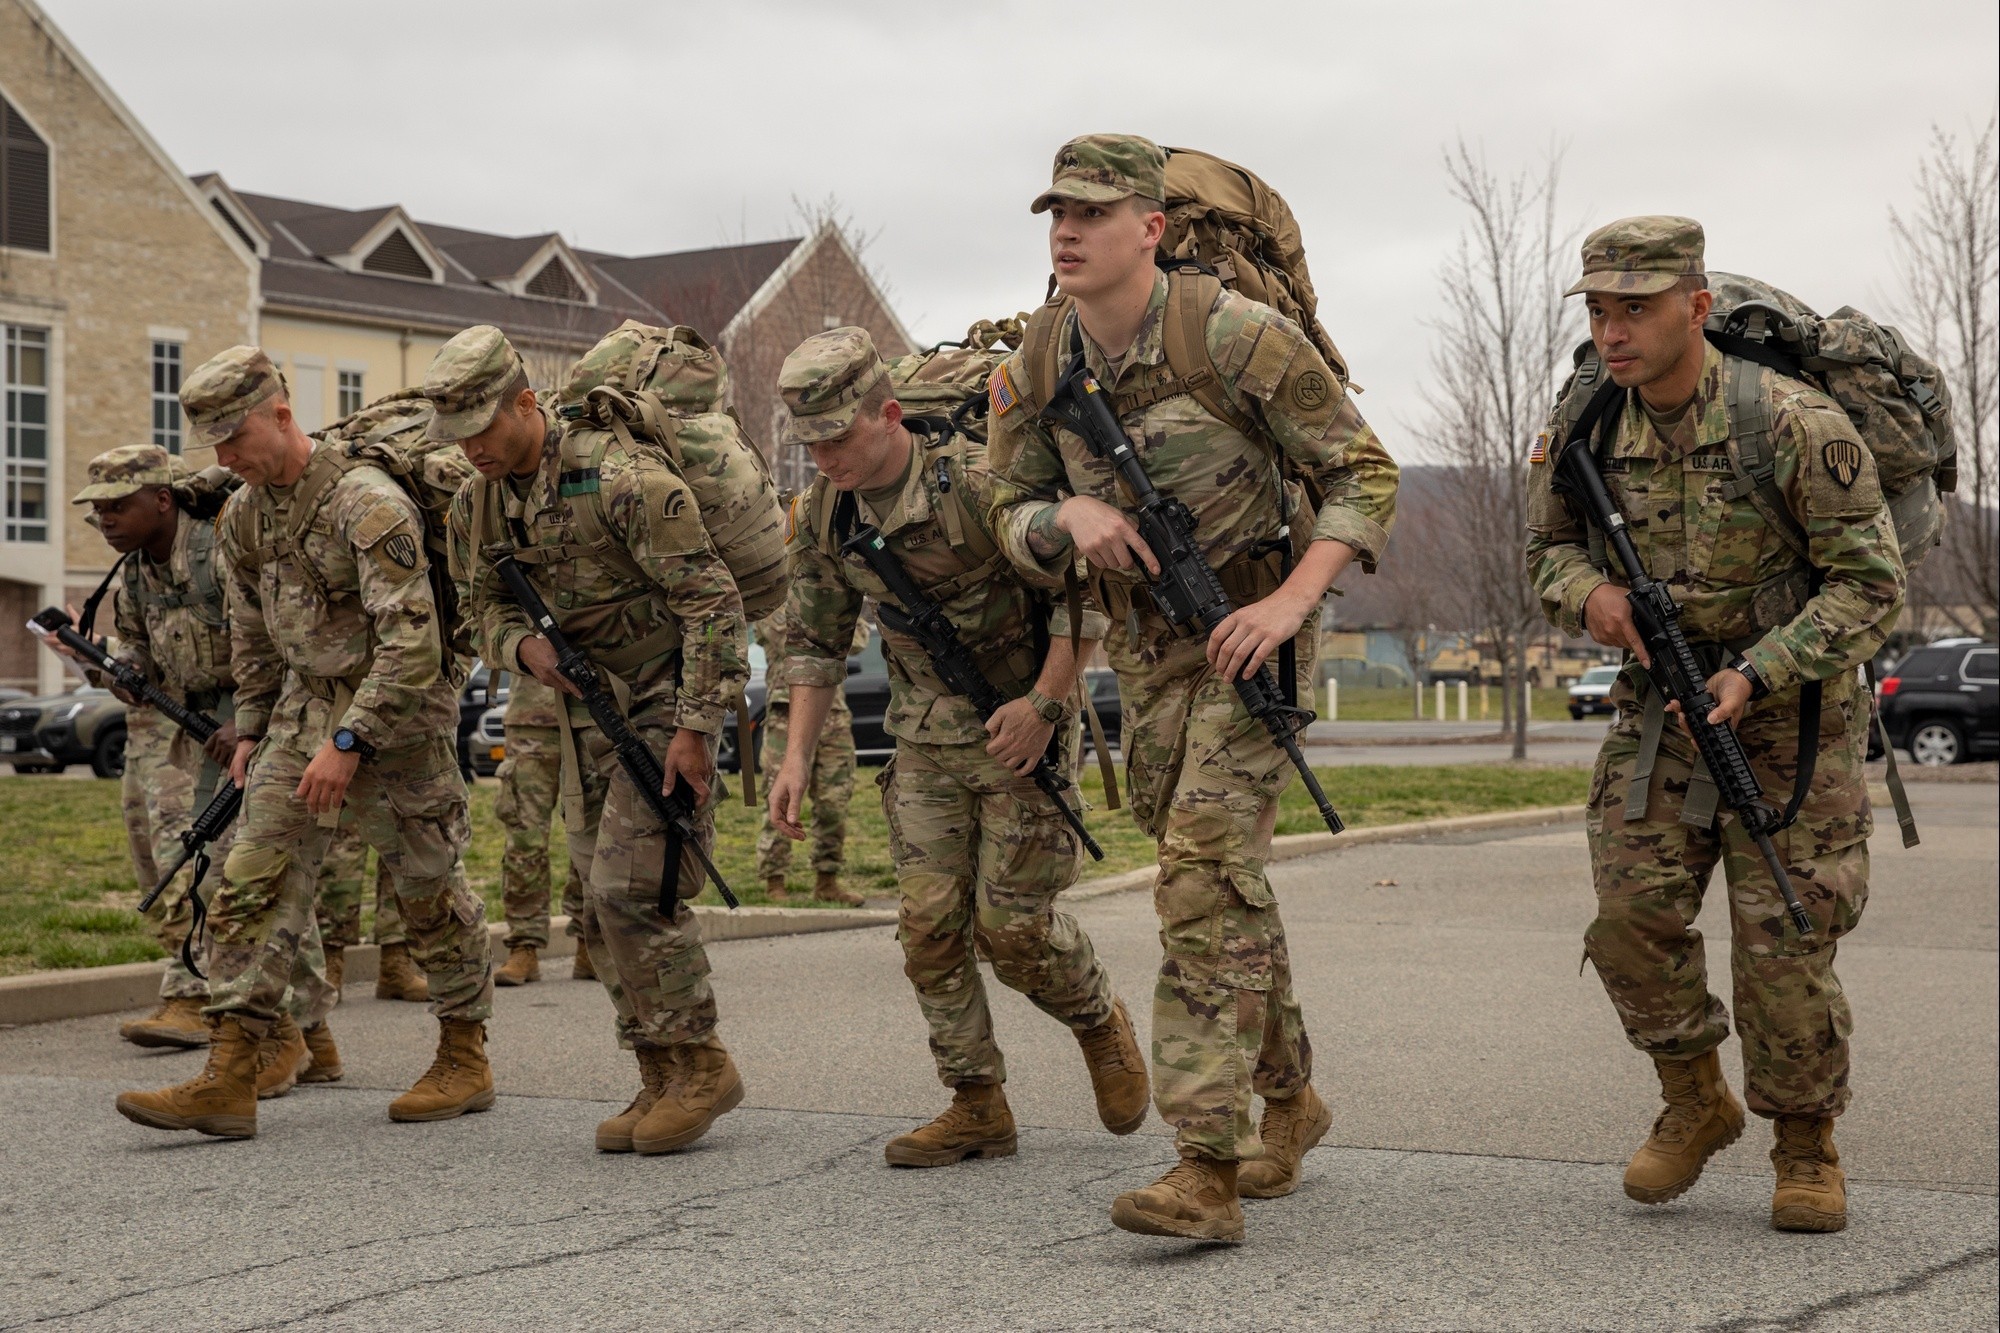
pixel 56 621
pixel 1187 591
pixel 1676 671
pixel 209 825
pixel 675 811
pixel 924 620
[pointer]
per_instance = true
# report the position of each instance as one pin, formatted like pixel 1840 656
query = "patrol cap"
pixel 117 473
pixel 1640 255
pixel 1102 168
pixel 225 389
pixel 467 379
pixel 823 382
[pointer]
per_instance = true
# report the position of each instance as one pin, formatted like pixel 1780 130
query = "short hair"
pixel 516 387
pixel 1691 283
pixel 875 399
pixel 1143 204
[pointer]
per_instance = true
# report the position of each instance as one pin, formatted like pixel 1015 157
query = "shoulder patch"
pixel 401 547
pixel 378 523
pixel 1843 461
pixel 1001 394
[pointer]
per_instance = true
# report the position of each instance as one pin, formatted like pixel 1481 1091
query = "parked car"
pixel 1942 702
pixel 46 735
pixel 1592 694
pixel 473 702
pixel 487 746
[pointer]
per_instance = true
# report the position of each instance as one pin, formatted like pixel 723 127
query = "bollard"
pixel 1440 703
pixel 1333 698
pixel 1482 700
pixel 1461 701
pixel 1527 701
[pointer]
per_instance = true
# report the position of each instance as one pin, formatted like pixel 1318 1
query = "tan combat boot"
pixel 1117 1071
pixel 656 1066
pixel 1812 1189
pixel 324 1064
pixel 1196 1200
pixel 978 1123
pixel 580 966
pixel 775 890
pixel 523 965
pixel 279 1056
pixel 1291 1129
pixel 175 1022
pixel 399 978
pixel 336 968
pixel 458 1081
pixel 1701 1118
pixel 220 1100
pixel 702 1086
pixel 826 889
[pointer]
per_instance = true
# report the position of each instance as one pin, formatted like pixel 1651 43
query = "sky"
pixel 1789 130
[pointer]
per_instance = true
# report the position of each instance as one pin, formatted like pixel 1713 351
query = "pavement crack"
pixel 1850 1300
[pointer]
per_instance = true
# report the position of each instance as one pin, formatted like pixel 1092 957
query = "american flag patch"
pixel 1001 394
pixel 1538 452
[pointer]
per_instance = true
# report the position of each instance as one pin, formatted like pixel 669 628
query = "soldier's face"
pixel 1096 248
pixel 258 451
pixel 132 521
pixel 1642 338
pixel 868 457
pixel 511 444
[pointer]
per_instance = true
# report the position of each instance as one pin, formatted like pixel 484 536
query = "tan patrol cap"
pixel 1640 255
pixel 225 389
pixel 823 382
pixel 467 379
pixel 117 473
pixel 1102 168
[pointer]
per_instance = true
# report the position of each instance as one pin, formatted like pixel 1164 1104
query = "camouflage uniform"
pixel 677 646
pixel 343 870
pixel 1741 588
pixel 980 853
pixel 149 782
pixel 530 781
pixel 367 658
pixel 832 785
pixel 1202 774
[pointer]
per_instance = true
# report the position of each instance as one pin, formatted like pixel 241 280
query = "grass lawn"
pixel 67 893
pixel 1394 704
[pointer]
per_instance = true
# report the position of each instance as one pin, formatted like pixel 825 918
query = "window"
pixel 167 395
pixel 349 399
pixel 556 283
pixel 24 183
pixel 397 256
pixel 24 467
pixel 1982 666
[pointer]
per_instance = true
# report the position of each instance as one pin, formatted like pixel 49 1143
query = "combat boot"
pixel 458 1081
pixel 399 978
pixel 324 1065
pixel 775 890
pixel 826 889
pixel 336 968
pixel 1812 1189
pixel 656 1066
pixel 703 1085
pixel 1701 1118
pixel 1117 1071
pixel 1196 1200
pixel 523 965
pixel 978 1123
pixel 279 1056
pixel 580 966
pixel 220 1100
pixel 175 1022
pixel 1291 1129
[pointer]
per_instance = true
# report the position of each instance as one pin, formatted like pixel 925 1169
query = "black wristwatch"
pixel 1758 689
pixel 345 741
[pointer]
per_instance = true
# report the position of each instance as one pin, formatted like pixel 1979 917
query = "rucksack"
pixel 1897 399
pixel 948 381
pixel 659 393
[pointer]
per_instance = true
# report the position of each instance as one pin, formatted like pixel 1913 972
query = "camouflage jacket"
pixel 1735 577
pixel 530 703
pixel 173 624
pixel 374 633
pixel 678 641
pixel 772 632
pixel 997 615
pixel 1273 374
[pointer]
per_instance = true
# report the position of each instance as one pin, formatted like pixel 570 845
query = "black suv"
pixel 1942 702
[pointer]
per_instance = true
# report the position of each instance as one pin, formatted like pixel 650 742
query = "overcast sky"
pixel 1788 129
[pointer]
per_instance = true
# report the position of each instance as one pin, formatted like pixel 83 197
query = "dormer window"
pixel 398 257
pixel 556 283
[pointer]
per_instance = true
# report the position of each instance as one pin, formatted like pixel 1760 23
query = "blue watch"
pixel 345 741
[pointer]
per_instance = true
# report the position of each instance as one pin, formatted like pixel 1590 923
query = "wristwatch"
pixel 1049 710
pixel 345 741
pixel 1758 689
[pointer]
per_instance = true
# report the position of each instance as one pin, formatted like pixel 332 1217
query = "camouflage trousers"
pixel 158 796
pixel 980 856
pixel 1204 779
pixel 530 784
pixel 410 805
pixel 653 966
pixel 1652 873
pixel 342 872
pixel 829 790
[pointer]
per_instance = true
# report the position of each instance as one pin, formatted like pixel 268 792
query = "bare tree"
pixel 1949 253
pixel 1498 348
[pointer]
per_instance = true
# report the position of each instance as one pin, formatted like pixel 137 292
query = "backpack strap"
pixel 1191 294
pixel 580 482
pixel 87 621
pixel 1752 457
pixel 203 596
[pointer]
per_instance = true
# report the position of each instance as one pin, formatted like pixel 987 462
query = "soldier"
pixel 1203 775
pixel 832 774
pixel 1768 617
pixel 530 780
pixel 980 852
pixel 678 648
pixel 342 699
pixel 343 871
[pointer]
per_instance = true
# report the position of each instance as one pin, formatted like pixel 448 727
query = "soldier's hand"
pixel 124 696
pixel 324 785
pixel 239 763
pixel 687 757
pixel 1249 635
pixel 221 747
pixel 1020 736
pixel 788 790
pixel 540 660
pixel 1732 696
pixel 1106 537
pixel 1608 617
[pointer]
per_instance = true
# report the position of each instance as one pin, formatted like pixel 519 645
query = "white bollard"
pixel 1462 715
pixel 1333 698
pixel 1440 704
pixel 1527 701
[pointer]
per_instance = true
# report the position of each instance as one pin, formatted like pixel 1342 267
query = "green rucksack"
pixel 947 382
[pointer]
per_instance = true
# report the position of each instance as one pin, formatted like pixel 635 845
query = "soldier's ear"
pixel 892 412
pixel 1700 303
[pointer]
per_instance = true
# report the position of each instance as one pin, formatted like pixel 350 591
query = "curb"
pixel 43 997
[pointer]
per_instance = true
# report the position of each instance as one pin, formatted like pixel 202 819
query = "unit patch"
pixel 1309 390
pixel 401 547
pixel 1843 460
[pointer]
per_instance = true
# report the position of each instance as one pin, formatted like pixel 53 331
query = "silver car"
pixel 1592 694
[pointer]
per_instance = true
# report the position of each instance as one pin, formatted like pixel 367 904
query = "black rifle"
pixel 214 819
pixel 54 620
pixel 676 811
pixel 1676 671
pixel 924 620
pixel 1187 591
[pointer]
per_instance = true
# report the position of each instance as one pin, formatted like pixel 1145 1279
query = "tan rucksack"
pixel 948 382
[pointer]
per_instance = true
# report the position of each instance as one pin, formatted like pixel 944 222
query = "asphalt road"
pixel 1484 1104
